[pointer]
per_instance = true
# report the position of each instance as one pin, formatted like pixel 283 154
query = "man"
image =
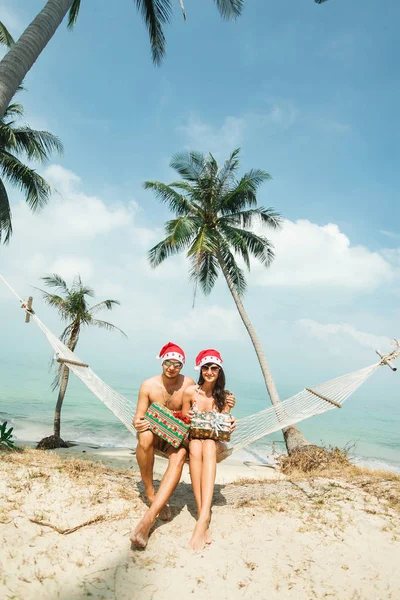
pixel 166 389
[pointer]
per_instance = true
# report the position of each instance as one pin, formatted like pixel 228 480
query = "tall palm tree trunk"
pixel 60 400
pixel 16 64
pixel 294 439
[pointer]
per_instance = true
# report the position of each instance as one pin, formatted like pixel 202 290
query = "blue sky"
pixel 309 92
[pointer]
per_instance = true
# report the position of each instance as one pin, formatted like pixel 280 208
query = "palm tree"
pixel 72 306
pixel 21 140
pixel 215 212
pixel 16 64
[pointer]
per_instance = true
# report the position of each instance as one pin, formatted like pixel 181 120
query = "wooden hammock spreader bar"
pixel 324 398
pixel 27 306
pixel 71 362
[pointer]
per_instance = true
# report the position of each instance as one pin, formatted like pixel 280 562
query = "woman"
pixel 209 396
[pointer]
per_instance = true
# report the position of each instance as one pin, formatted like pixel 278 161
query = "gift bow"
pixel 217 422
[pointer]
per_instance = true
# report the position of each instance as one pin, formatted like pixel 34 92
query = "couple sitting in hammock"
pixel 167 404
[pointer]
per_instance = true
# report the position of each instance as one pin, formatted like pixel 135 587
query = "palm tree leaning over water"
pixel 16 64
pixel 72 306
pixel 215 212
pixel 17 141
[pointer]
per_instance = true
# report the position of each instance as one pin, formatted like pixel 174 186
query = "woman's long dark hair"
pixel 219 391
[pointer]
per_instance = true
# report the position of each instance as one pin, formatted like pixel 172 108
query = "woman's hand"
pixel 141 424
pixel 233 424
pixel 230 400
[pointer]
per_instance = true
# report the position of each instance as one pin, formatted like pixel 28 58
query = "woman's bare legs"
pixel 195 468
pixel 209 466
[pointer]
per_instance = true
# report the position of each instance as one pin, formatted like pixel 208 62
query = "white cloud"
pixel 81 214
pixel 327 331
pixel 70 266
pixel 308 254
pixel 391 234
pixel 220 140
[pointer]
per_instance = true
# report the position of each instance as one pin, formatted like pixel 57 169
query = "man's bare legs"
pixel 145 459
pixel 170 480
pixel 201 534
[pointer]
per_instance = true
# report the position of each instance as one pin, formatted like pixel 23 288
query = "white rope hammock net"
pixel 305 404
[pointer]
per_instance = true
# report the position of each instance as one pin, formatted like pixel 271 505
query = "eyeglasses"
pixel 172 364
pixel 213 368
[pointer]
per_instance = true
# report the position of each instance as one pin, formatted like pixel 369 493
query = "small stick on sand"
pixel 71 529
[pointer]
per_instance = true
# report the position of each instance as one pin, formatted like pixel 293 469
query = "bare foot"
pixel 198 539
pixel 165 513
pixel 139 537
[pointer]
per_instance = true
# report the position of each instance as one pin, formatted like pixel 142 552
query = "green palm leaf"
pixel 5 215
pixel 37 145
pixel 165 193
pixel 73 13
pixel 189 165
pixel 156 13
pixel 230 9
pixel 6 39
pixel 37 191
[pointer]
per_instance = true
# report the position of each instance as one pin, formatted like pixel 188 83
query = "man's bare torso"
pixel 170 394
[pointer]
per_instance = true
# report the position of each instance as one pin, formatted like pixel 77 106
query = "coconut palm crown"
pixel 73 308
pixel 215 211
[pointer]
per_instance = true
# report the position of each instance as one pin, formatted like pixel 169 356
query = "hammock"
pixel 307 403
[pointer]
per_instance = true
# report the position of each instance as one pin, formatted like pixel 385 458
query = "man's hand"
pixel 141 424
pixel 230 400
pixel 233 424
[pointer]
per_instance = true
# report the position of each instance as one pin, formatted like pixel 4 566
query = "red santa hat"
pixel 172 351
pixel 208 356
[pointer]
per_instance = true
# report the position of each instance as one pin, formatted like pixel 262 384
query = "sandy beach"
pixel 65 524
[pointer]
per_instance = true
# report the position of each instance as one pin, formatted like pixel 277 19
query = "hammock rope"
pixel 309 402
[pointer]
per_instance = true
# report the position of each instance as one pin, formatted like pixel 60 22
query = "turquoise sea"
pixel 369 420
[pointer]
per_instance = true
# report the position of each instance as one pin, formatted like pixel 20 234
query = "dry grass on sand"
pixel 65 524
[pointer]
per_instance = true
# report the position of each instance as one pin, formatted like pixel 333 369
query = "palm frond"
pixel 37 145
pixel 36 189
pixel 177 203
pixel 13 109
pixel 235 240
pixel 5 215
pixel 56 281
pixel 183 9
pixel 243 195
pixel 73 14
pixel 189 165
pixel 104 305
pixel 230 9
pixel 156 14
pixel 181 232
pixel 246 218
pixel 81 290
pixel 106 325
pixel 233 271
pixel 258 246
pixel 228 171
pixel 204 270
pixel 6 39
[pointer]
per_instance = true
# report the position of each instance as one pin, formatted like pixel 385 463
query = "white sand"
pixel 272 538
